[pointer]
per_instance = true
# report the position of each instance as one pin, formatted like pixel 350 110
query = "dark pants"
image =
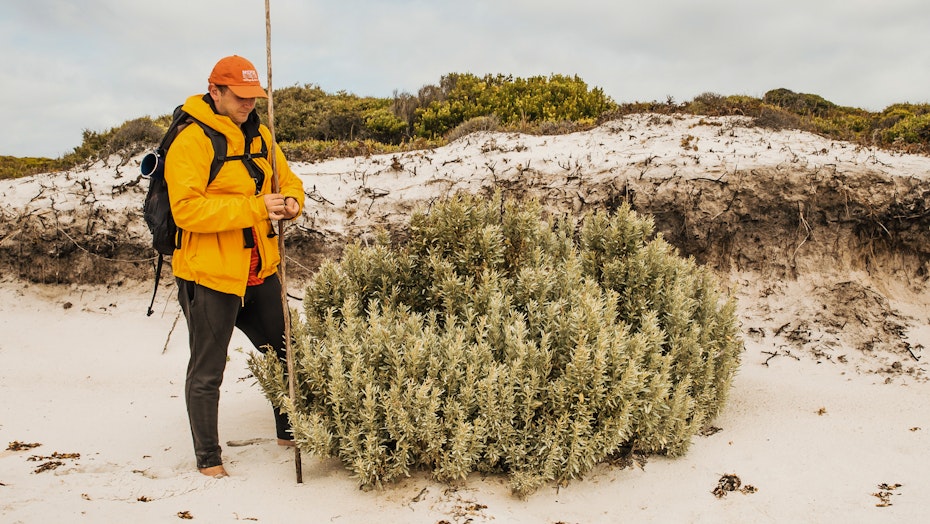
pixel 211 317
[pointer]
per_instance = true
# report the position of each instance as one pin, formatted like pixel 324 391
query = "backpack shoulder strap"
pixel 219 149
pixel 182 118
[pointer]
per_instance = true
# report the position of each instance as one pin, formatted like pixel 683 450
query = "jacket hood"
pixel 202 108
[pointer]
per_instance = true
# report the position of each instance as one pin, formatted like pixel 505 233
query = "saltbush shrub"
pixel 128 139
pixel 474 125
pixel 804 104
pixel 495 340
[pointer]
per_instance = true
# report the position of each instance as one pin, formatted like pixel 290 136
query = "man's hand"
pixel 281 208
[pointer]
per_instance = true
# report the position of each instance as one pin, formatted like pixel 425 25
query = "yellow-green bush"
pixel 319 150
pixel 909 129
pixel 494 340
pixel 513 101
pixel 15 167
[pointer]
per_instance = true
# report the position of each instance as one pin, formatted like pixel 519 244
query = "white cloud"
pixel 98 63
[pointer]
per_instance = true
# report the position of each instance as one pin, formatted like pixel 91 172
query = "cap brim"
pixel 248 91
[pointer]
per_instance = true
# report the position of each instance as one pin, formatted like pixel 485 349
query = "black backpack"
pixel 156 209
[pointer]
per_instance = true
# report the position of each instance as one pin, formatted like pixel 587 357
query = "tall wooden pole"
pixel 276 187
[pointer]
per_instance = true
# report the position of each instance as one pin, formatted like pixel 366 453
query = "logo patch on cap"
pixel 250 75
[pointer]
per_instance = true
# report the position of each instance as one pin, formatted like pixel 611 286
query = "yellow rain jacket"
pixel 212 217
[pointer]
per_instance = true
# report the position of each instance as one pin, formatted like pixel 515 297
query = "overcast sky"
pixel 94 64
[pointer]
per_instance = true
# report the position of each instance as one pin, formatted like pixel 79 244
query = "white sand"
pixel 97 379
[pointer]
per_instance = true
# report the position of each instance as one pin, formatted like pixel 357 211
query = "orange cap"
pixel 239 75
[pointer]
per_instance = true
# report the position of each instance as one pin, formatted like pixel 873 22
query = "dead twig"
pixel 11 235
pixel 317 197
pixel 82 248
pixel 782 328
pixel 419 496
pixel 807 227
pixel 297 263
pixel 771 356
pixel 774 354
pixel 164 349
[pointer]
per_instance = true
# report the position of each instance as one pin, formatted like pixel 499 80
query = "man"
pixel 226 263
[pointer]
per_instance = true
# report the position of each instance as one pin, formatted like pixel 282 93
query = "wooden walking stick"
pixel 276 187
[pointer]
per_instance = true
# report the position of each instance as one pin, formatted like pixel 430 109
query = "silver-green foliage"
pixel 495 340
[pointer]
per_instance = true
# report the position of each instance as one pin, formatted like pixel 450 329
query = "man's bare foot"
pixel 283 442
pixel 216 472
